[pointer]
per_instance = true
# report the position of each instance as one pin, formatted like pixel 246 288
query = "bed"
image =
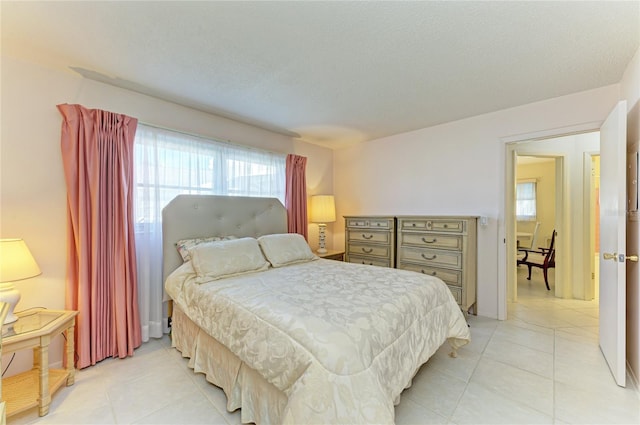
pixel 289 337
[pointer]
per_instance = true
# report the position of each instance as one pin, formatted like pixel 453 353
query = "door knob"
pixel 633 258
pixel 608 256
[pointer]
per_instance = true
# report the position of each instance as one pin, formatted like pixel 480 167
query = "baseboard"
pixel 56 365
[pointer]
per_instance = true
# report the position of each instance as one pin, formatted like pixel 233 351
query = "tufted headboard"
pixel 191 216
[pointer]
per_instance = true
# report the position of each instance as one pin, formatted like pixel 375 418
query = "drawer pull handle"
pixel 429 258
pixel 413 224
pixel 433 273
pixel 366 237
pixel 434 240
pixel 367 250
pixel 446 226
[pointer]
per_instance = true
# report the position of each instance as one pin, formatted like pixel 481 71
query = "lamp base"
pixel 321 237
pixel 10 295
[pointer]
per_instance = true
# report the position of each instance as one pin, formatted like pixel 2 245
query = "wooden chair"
pixel 543 258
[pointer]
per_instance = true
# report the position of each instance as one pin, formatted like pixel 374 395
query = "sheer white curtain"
pixel 526 200
pixel 169 163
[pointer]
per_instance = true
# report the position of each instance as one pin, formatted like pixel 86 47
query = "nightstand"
pixel 35 329
pixel 332 255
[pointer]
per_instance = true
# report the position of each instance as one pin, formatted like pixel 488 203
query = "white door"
pixel 613 183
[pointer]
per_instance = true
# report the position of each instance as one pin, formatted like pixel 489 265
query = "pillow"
pixel 285 248
pixel 185 245
pixel 215 260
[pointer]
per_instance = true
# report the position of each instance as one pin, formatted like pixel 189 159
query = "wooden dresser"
pixel 370 240
pixel 442 246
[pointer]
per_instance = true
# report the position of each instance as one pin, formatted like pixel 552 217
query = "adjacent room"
pixel 319 212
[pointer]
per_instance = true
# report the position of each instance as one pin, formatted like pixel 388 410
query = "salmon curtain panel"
pixel 97 152
pixel 296 194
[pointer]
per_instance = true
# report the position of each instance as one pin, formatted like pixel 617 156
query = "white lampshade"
pixel 16 263
pixel 323 209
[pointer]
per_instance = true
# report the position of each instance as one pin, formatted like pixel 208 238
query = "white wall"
pixel 456 168
pixel 32 187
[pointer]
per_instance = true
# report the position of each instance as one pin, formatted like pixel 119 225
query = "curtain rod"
pixel 214 139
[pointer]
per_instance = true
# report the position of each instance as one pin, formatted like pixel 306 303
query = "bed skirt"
pixel 260 402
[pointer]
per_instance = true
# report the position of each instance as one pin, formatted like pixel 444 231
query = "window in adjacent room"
pixel 526 200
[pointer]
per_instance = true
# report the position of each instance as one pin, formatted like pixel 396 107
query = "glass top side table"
pixel 30 321
pixel 34 330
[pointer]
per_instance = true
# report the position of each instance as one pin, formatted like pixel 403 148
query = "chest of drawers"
pixel 370 240
pixel 441 246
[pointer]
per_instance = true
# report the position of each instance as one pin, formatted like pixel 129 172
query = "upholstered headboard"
pixel 191 216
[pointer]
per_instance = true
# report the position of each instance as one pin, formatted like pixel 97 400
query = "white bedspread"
pixel 341 340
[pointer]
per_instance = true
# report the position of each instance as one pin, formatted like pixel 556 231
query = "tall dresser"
pixel 370 240
pixel 442 246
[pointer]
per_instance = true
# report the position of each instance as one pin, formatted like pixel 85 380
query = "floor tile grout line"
pixel 506 397
pixel 467 382
pixel 525 346
pixel 196 375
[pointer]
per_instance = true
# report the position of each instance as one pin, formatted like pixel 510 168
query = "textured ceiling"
pixel 334 73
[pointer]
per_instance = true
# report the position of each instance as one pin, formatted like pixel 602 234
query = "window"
pixel 526 200
pixel 169 163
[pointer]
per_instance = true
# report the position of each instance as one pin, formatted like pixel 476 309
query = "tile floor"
pixel 541 366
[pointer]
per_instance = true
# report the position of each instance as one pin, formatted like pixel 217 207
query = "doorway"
pixel 535 217
pixel 573 272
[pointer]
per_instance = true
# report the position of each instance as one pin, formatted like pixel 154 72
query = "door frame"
pixel 589 220
pixel 507 250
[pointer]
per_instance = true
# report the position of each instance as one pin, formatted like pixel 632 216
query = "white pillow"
pixel 285 248
pixel 183 246
pixel 215 260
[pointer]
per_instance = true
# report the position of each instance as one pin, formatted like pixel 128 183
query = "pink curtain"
pixel 296 194
pixel 97 152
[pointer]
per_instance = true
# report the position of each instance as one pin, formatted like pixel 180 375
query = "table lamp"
pixel 323 211
pixel 16 263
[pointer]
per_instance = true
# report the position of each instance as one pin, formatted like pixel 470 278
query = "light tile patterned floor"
pixel 541 366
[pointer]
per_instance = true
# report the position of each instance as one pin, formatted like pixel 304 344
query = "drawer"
pixel 457 294
pixel 380 223
pixel 380 262
pixel 454 226
pixel 363 249
pixel 438 225
pixel 432 240
pixel 450 277
pixel 357 222
pixel 431 257
pixel 364 236
pixel 415 224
